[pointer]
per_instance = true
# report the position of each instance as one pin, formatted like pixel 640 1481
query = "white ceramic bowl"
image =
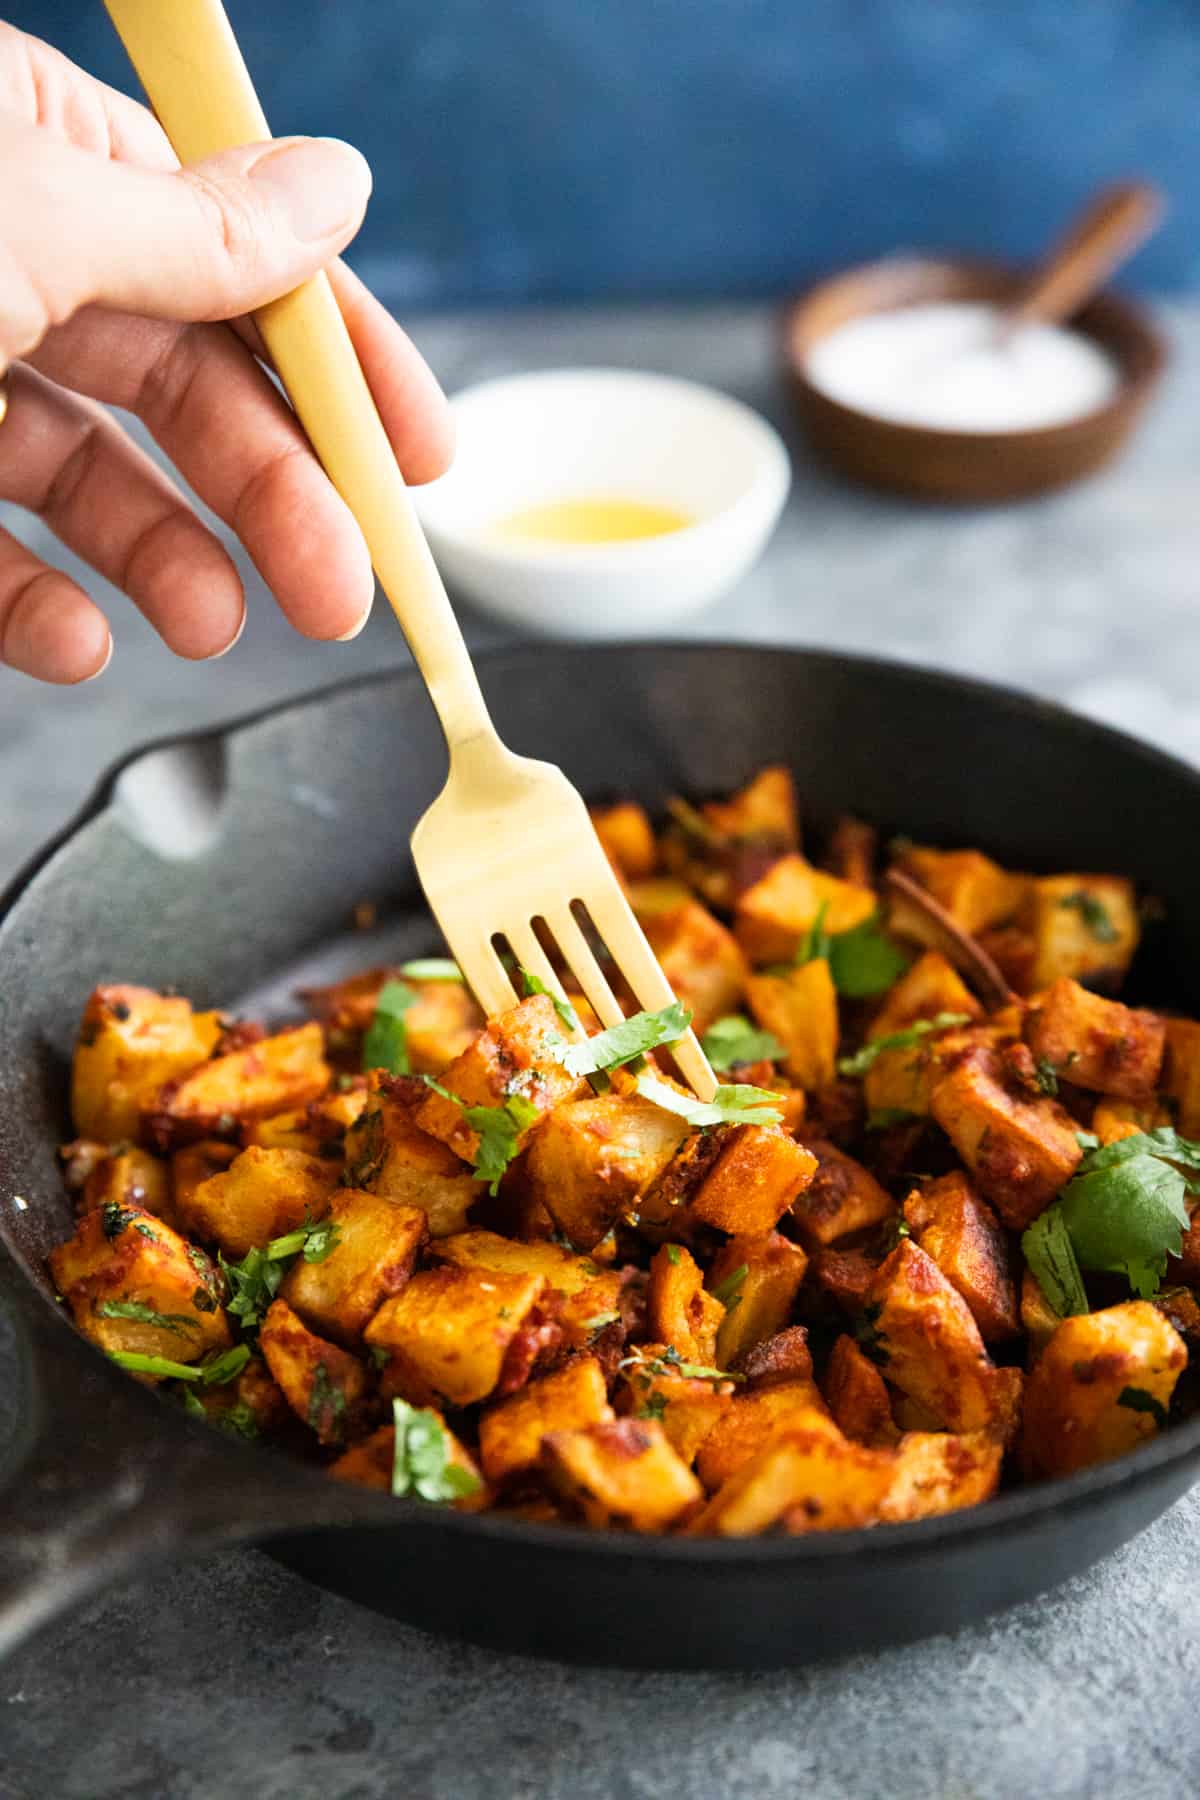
pixel 569 434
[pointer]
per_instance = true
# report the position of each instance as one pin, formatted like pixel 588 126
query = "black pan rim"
pixel 1004 1515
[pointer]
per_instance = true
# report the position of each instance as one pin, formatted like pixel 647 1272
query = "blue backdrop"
pixel 561 148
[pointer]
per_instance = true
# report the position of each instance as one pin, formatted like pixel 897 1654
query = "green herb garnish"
pixel 669 1362
pixel 114 1219
pixel 432 968
pixel 729 1291
pixel 653 1407
pixel 386 1043
pixel 215 1372
pixel 146 1315
pixel 734 1040
pixel 1125 1209
pixel 326 1407
pixel 314 1240
pixel 814 945
pixel 625 1042
pixel 1094 914
pixel 1046 1076
pixel 673 1255
pixel 739 1104
pixel 533 984
pixel 1050 1254
pixel 864 962
pixel 421 1464
pixel 859 1063
pixel 1138 1400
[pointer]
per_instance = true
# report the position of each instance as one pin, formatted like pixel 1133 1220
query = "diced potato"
pixel 812 1479
pixel 765 809
pixel 622 1474
pixel 1181 1307
pixel 250 1406
pixel 192 1165
pixel 842 1197
pixel 132 1040
pixel 511 1433
pixel 752 1420
pixel 369 1464
pixel 322 1384
pixel 1115 1119
pixel 439 1025
pixel 513 1054
pixel 940 1472
pixel 857 1396
pixel 318 1128
pixel 262 1195
pixel 678 1311
pixel 902 1080
pixel 700 959
pixel 1096 1043
pixel 449 1331
pixel 1039 1321
pixel 271 1076
pixel 800 1007
pixel 782 1357
pixel 974 890
pixel 1101 1386
pixel 960 1231
pixel 756 1177
pixel 687 1406
pixel 590 1294
pixel 851 853
pixel 1186 1266
pixel 387 1153
pixel 1181 1072
pixel 775 915
pixel 659 894
pixel 133 1284
pixel 1084 926
pixel 628 838
pixel 845 1275
pixel 591 1160
pixel 372 1258
pixel 758 1279
pixel 131 1177
pixel 1021 1150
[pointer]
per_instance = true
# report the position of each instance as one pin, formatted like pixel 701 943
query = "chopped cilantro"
pixel 735 1105
pixel 734 1040
pixel 625 1042
pixel 1125 1208
pixel 226 1366
pixel 814 945
pixel 1051 1256
pixel 386 1043
pixel 669 1362
pixel 421 1464
pixel 533 984
pixel 326 1406
pixel 314 1240
pixel 114 1219
pixel 864 962
pixel 653 1407
pixel 137 1364
pixel 432 968
pixel 1094 914
pixel 1138 1400
pixel 673 1255
pixel 729 1291
pixel 1046 1076
pixel 145 1315
pixel 899 1040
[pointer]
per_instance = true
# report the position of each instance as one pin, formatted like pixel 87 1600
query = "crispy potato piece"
pixel 263 1194
pixel 1186 1266
pixel 775 915
pixel 442 1021
pixel 975 891
pixel 857 1396
pixel 940 1472
pixel 387 1153
pixel 659 894
pixel 1084 926
pixel 319 1128
pixel 699 958
pixel 372 1258
pixel 1181 1072
pixel 924 1338
pixel 450 1330
pixel 627 835
pixel 123 1257
pixel 687 1407
pixel 511 1433
pixel 1039 1321
pixel 591 1160
pixel 196 1163
pixel 250 1406
pixel 801 1008
pixel 1020 1150
pixel 762 1274
pixel 271 1076
pixel 1096 1043
pixel 322 1383
pixel 960 1231
pixel 809 1477
pixel 589 1293
pixel 1115 1119
pixel 845 1275
pixel 1101 1386
pixel 752 1420
pixel 756 1177
pixel 842 1197
pixel 369 1464
pixel 901 1080
pixel 132 1040
pixel 623 1474
pixel 131 1177
pixel 783 1357
pixel 513 1054
pixel 678 1311
pixel 765 809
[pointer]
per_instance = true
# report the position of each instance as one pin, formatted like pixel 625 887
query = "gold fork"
pixel 508 842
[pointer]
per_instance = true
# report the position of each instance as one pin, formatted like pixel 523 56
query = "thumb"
pixel 207 242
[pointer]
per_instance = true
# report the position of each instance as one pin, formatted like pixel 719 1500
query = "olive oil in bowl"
pixel 603 519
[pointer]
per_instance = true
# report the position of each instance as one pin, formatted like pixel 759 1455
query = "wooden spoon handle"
pixel 1118 220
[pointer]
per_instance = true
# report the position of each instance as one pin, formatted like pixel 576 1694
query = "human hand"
pixel 115 270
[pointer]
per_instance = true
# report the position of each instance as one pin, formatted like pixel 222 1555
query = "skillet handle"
pixel 99 1477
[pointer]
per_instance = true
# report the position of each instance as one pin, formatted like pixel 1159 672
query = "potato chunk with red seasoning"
pixel 1101 1386
pixel 1096 1043
pixel 511 1433
pixel 322 1384
pixel 270 1076
pixel 373 1254
pixel 132 1040
pixel 700 960
pixel 857 1395
pixel 678 1311
pixel 753 1420
pixel 627 835
pixel 130 1177
pixel 388 1153
pixel 975 891
pixel 960 1231
pixel 262 1195
pixel 800 1008
pixel 841 1198
pixel 134 1285
pixel 939 1472
pixel 775 915
pixel 809 1478
pixel 441 1022
pixel 901 1080
pixel 369 1464
pixel 623 1474
pixel 688 1407
pixel 764 810
pixel 450 1331
pixel 513 1054
pixel 1084 926
pixel 1181 1072
pixel 591 1160
pixel 1021 1150
pixel 756 1177
pixel 589 1293
pixel 756 1279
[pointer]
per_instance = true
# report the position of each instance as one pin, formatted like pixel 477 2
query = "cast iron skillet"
pixel 220 861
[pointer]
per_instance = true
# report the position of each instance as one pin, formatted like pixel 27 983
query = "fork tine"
pixel 583 964
pixel 614 919
pixel 485 973
pixel 529 953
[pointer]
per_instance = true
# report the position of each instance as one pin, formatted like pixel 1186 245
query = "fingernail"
pixel 233 642
pixel 322 185
pixel 97 673
pixel 354 631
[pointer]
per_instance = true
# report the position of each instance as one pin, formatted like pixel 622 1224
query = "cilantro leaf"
pixel 533 984
pixel 669 1362
pixel 314 1240
pixel 1138 1400
pixel 1125 1208
pixel 625 1042
pixel 137 1364
pixel 145 1315
pixel 814 945
pixel 253 1284
pixel 1051 1255
pixel 386 1043
pixel 734 1040
pixel 226 1366
pixel 653 1407
pixel 421 1464
pixel 861 1061
pixel 1094 914
pixel 1046 1076
pixel 432 968
pixel 673 1255
pixel 738 1104
pixel 864 962
pixel 729 1291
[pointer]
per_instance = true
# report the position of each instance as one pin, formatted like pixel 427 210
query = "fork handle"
pixel 189 63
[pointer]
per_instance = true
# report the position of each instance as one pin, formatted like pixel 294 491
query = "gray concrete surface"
pixel 228 1677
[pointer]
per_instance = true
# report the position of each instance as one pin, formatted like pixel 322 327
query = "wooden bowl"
pixel 964 465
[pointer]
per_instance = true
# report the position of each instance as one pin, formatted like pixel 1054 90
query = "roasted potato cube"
pixel 623 1474
pixel 920 1331
pixel 809 1477
pixel 752 1420
pixel 589 1293
pixel 262 1195
pixel 842 1197
pixel 687 1406
pixel 1096 1043
pixel 783 1357
pixel 270 1076
pixel 369 1464
pixel 678 1311
pixel 1020 1150
pixel 756 1279
pixel 511 1433
pixel 845 1275
pixel 439 1025
pixel 133 1284
pixel 1115 1119
pixel 513 1054
pixel 192 1165
pixel 960 1231
pixel 387 1153
pixel 450 1330
pixel 699 958
pixel 372 1258
pixel 1101 1386
pixel 132 1040
pixel 1039 1321
pixel 250 1406
pixel 775 915
pixel 1181 1072
pixel 1084 926
pixel 628 838
pixel 591 1160
pixel 319 1128
pixel 901 1080
pixel 1186 1266
pixel 131 1177
pixel 322 1384
pixel 974 890
pixel 765 809
pixel 940 1472
pixel 757 1175
pixel 800 1007
pixel 857 1396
